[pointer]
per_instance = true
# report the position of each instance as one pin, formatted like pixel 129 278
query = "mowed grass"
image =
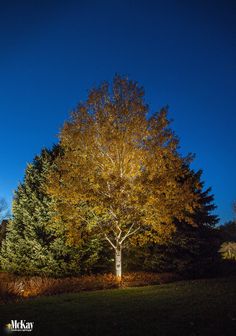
pixel 200 307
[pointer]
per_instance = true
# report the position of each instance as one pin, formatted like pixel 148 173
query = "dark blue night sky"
pixel 182 52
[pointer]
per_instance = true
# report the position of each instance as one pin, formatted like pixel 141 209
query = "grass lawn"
pixel 200 307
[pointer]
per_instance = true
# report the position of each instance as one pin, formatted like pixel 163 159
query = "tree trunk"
pixel 118 261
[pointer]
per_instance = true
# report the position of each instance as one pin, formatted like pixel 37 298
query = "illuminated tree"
pixel 32 246
pixel 120 175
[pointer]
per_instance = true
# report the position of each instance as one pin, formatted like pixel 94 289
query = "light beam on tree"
pixel 120 174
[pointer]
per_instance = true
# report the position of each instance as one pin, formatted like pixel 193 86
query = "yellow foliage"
pixel 120 173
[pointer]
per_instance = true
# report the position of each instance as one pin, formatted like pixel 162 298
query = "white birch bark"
pixel 118 261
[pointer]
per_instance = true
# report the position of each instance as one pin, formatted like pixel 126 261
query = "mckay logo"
pixel 21 325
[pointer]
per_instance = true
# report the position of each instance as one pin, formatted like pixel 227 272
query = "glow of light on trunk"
pixel 118 262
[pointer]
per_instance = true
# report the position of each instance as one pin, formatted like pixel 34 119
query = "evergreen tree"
pixel 192 249
pixel 32 246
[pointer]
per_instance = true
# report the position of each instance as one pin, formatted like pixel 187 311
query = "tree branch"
pixel 108 239
pixel 129 233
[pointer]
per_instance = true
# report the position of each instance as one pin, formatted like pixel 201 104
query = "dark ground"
pixel 191 308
